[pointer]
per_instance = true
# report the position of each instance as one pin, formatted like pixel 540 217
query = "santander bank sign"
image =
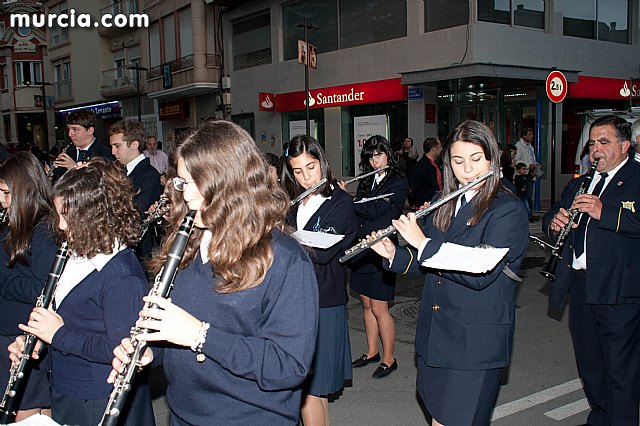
pixel 350 94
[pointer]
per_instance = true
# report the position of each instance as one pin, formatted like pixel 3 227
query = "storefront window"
pixel 606 20
pixel 522 13
pixel 439 14
pixel 397 119
pixel 323 14
pixel 371 21
pixel 251 43
pixel 298 118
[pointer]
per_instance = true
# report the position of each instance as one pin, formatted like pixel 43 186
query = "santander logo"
pixel 267 103
pixel 625 92
pixel 312 101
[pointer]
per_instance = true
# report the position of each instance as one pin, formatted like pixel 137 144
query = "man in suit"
pixel 125 138
pixel 81 126
pixel 426 179
pixel 600 267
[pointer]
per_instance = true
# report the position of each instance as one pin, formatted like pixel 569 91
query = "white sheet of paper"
pixel 37 420
pixel 476 260
pixel 317 239
pixel 364 200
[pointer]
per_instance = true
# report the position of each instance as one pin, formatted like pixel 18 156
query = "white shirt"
pixel 78 268
pixel 158 159
pixel 581 262
pixel 204 245
pixel 305 211
pixel 525 153
pixel 377 179
pixel 133 163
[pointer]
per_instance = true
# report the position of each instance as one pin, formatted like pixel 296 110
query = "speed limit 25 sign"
pixel 556 86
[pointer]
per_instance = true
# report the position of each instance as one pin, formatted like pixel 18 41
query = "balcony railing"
pixel 179 64
pixel 125 7
pixel 63 90
pixel 121 78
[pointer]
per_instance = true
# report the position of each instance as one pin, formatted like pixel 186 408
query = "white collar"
pixel 133 163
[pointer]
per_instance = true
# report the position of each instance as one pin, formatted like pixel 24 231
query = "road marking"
pixel 534 399
pixel 568 410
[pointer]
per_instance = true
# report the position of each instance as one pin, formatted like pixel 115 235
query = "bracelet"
pixel 200 339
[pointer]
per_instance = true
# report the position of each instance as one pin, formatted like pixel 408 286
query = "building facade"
pixel 417 68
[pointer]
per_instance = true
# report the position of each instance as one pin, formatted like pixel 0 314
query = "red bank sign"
pixel 372 92
pixel 604 88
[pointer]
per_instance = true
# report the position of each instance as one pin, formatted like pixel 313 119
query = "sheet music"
pixel 37 420
pixel 320 240
pixel 379 197
pixel 476 260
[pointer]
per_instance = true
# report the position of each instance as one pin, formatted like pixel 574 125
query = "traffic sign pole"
pixel 556 87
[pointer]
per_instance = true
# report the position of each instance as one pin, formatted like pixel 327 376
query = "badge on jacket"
pixel 629 205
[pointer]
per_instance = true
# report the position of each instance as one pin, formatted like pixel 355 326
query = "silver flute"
pixel 357 178
pixel 368 242
pixel 307 192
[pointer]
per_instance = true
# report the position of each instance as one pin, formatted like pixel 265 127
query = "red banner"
pixel 372 92
pixel 604 88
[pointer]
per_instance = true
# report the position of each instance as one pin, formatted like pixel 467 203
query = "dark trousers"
pixel 606 341
pixel 530 185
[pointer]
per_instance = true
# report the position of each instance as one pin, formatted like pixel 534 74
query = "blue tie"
pixel 463 202
pixel 581 230
pixel 82 155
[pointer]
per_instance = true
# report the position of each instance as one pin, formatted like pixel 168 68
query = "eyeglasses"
pixel 180 184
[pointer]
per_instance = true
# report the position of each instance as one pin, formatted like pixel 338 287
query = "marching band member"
pixel 466 321
pixel 27 252
pixel 242 318
pixel 329 210
pixel 98 295
pixel 376 285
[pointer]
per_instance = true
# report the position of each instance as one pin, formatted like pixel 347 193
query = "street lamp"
pixel 137 69
pixel 42 85
pixel 307 26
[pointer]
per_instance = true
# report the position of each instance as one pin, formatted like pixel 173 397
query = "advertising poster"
pixel 365 127
pixel 299 127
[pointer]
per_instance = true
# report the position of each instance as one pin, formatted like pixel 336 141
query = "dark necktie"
pixel 581 231
pixel 82 155
pixel 463 202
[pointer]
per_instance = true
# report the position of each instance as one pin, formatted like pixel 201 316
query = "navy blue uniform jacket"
pixel 424 181
pixel 147 189
pixel 336 215
pixel 466 321
pixel 613 242
pixel 97 149
pixel 378 214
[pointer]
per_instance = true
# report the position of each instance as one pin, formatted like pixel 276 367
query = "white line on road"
pixel 568 410
pixel 534 399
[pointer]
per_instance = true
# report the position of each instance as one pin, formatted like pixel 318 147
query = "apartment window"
pixel 154 44
pixel 186 35
pixel 169 31
pixel 251 43
pixel 62 70
pixel 522 13
pixel 371 21
pixel 59 35
pixel 28 72
pixel 439 14
pixel 323 15
pixel 606 20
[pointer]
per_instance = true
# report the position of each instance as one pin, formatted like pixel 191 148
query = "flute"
pixel 15 387
pixel 307 192
pixel 162 287
pixel 357 178
pixel 367 243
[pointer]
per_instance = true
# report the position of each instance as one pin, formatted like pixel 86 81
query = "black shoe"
pixel 384 370
pixel 364 360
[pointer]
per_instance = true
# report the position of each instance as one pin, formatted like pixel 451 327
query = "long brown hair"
pixel 241 206
pixel 31 203
pixel 476 133
pixel 98 206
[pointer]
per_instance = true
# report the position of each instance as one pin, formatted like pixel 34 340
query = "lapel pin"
pixel 619 183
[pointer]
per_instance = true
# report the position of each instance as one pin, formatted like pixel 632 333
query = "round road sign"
pixel 556 86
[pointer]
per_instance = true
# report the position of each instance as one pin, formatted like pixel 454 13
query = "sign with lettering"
pixel 174 110
pixel 556 86
pixel 365 127
pixel 371 92
pixel 604 88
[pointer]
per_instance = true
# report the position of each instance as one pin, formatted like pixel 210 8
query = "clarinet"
pixel 4 215
pixel 162 287
pixel 549 270
pixel 368 242
pixel 161 209
pixel 18 373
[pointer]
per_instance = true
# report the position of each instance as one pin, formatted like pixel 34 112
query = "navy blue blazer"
pixel 97 149
pixel 613 242
pixel 424 181
pixel 336 215
pixel 466 321
pixel 147 189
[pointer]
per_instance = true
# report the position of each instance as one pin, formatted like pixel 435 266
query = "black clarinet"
pixel 15 387
pixel 162 287
pixel 549 270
